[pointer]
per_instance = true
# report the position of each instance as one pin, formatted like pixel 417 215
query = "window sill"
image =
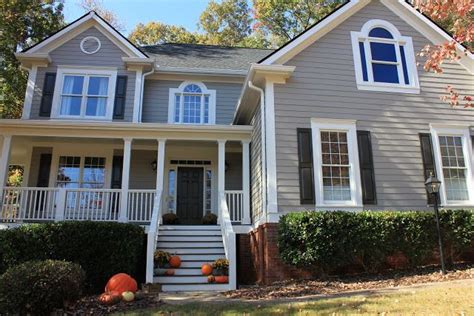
pixel 75 118
pixel 458 204
pixel 388 88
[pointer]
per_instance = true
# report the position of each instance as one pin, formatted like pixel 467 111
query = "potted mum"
pixel 220 271
pixel 161 260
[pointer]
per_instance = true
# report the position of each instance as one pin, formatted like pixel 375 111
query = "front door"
pixel 190 195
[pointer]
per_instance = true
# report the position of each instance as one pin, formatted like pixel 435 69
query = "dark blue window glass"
pixel 380 32
pixel 364 62
pixel 404 65
pixel 385 73
pixel 383 52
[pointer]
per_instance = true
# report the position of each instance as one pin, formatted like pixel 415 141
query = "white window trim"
pixel 348 126
pixel 85 39
pixel 63 71
pixel 370 85
pixel 463 132
pixel 179 90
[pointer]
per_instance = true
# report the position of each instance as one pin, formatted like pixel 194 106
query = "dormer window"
pixel 192 103
pixel 384 59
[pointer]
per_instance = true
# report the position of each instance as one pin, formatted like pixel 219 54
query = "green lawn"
pixel 442 299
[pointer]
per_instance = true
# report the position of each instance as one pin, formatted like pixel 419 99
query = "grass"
pixel 441 299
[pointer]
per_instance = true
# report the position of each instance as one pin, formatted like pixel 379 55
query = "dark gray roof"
pixel 205 56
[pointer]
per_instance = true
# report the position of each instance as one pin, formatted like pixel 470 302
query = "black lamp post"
pixel 432 185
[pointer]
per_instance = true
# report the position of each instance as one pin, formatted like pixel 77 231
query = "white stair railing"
pixel 228 238
pixel 152 236
pixel 235 204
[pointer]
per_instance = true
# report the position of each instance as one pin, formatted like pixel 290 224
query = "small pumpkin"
pixel 211 279
pixel 109 298
pixel 169 272
pixel 120 283
pixel 206 269
pixel 175 261
pixel 221 279
pixel 128 296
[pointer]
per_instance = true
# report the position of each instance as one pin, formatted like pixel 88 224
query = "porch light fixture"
pixel 432 185
pixel 154 165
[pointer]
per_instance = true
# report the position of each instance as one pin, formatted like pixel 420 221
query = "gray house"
pixel 341 117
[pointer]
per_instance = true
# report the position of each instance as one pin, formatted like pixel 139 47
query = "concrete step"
pixel 207 233
pixel 188 244
pixel 190 227
pixel 195 287
pixel 190 239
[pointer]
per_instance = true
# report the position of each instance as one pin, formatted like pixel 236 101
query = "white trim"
pixel 30 90
pixel 87 38
pixel 398 41
pixel 180 90
pixel 127 155
pixel 246 181
pixel 463 132
pixel 62 71
pixel 272 194
pixel 137 97
pixel 348 126
pixel 4 162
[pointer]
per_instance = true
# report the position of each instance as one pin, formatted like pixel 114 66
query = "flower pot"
pixel 160 271
pixel 220 272
pixel 221 279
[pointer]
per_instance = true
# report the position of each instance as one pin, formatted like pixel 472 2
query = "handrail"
pixel 228 238
pixel 152 236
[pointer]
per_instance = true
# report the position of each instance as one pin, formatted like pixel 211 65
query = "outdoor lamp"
pixel 154 165
pixel 432 184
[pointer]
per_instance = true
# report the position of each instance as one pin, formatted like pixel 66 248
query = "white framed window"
pixel 384 60
pixel 192 103
pixel 336 163
pixel 454 163
pixel 84 94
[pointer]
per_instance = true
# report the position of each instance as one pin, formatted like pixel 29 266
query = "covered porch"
pixel 120 172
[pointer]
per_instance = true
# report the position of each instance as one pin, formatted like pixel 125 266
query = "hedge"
pixel 101 249
pixel 329 241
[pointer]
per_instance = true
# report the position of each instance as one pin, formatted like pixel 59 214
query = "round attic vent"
pixel 90 45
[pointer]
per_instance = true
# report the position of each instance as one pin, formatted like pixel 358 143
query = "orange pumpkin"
pixel 211 279
pixel 222 279
pixel 120 283
pixel 109 298
pixel 206 269
pixel 175 262
pixel 169 272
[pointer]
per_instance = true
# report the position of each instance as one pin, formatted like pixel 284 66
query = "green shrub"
pixel 38 287
pixel 101 249
pixel 335 239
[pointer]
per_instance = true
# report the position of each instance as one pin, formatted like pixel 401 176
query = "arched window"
pixel 192 103
pixel 384 59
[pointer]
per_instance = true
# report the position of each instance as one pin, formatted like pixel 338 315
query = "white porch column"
pixel 127 154
pixel 136 100
pixel 272 203
pixel 4 158
pixel 30 89
pixel 160 165
pixel 221 166
pixel 246 181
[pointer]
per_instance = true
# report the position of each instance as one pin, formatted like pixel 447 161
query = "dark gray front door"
pixel 190 195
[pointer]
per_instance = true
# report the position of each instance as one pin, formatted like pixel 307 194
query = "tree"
pixel 154 33
pixel 282 20
pixel 458 17
pixel 108 15
pixel 22 23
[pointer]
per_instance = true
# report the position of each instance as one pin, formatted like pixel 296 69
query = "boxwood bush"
pixel 101 249
pixel 332 240
pixel 38 287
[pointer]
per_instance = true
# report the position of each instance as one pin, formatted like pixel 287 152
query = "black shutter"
pixel 117 165
pixel 305 165
pixel 120 94
pixel 367 173
pixel 48 92
pixel 428 160
pixel 44 170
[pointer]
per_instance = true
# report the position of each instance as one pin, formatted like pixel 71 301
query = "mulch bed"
pixel 334 285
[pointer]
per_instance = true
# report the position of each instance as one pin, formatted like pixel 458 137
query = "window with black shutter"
pixel 367 173
pixel 48 93
pixel 120 95
pixel 305 165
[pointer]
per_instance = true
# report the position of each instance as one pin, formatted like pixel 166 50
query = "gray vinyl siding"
pixel 256 185
pixel 35 162
pixel 141 174
pixel 70 54
pixel 233 176
pixel 323 86
pixel 156 100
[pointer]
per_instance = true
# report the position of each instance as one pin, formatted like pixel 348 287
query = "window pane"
pixel 208 190
pixel 94 172
pixel 404 64
pixel 363 61
pixel 380 32
pixel 385 73
pixel 177 104
pixel 192 88
pixel 171 193
pixel 383 52
pixel 68 172
pixel 73 84
pixel 206 109
pixel 71 105
pixel 98 86
pixel 192 109
pixel 96 106
pixel 454 169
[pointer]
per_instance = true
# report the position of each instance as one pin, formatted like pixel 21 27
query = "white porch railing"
pixel 235 204
pixel 140 205
pixel 228 239
pixel 152 237
pixel 88 204
pixel 36 204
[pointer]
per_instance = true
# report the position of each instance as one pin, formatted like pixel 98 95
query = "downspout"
pixel 140 110
pixel 264 144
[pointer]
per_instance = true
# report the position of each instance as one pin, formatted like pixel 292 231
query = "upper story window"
pixel 384 59
pixel 192 103
pixel 84 94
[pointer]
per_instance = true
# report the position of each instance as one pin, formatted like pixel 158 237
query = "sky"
pixel 132 12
